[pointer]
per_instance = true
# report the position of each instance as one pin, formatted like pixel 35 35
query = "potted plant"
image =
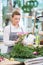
pixel 27 7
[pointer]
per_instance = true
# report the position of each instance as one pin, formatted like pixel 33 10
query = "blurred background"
pixel 31 14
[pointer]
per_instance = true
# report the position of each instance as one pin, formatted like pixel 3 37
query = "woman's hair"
pixel 15 13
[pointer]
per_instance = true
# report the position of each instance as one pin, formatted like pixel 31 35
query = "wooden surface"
pixel 9 62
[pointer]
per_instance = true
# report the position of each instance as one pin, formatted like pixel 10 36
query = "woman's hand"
pixel 17 40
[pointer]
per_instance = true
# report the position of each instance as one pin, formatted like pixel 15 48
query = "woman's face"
pixel 16 19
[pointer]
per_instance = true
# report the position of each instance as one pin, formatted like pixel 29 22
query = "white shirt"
pixel 7 32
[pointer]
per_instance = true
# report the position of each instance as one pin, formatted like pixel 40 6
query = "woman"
pixel 10 31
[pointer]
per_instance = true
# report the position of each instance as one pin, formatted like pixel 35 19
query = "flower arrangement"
pixel 22 51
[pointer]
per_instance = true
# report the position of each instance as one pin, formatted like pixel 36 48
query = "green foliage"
pixel 0 55
pixel 17 2
pixel 4 11
pixel 29 5
pixel 5 55
pixel 20 51
pixel 41 51
pixel 37 49
pixel 24 52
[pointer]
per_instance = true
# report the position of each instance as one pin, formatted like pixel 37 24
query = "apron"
pixel 12 36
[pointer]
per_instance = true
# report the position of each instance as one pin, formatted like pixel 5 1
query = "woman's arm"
pixel 6 37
